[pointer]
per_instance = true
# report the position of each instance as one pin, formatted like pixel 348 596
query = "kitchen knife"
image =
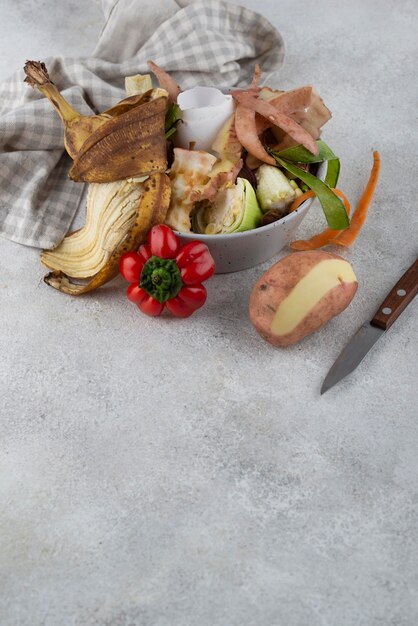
pixel 354 352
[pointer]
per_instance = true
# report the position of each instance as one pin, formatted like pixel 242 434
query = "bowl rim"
pixel 261 229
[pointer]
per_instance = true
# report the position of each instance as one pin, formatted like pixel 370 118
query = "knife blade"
pixel 365 338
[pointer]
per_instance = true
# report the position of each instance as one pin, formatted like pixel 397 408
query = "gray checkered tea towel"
pixel 208 42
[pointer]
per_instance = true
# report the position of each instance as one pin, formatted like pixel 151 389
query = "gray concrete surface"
pixel 176 473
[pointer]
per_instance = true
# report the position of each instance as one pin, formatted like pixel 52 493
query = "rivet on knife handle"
pixel 397 300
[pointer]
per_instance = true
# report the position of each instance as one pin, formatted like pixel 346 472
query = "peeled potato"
pixel 299 294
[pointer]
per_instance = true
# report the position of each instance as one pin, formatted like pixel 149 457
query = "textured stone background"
pixel 176 473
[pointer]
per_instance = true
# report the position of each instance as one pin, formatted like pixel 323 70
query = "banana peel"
pixel 111 210
pixel 151 208
pixel 133 100
pixel 126 140
pixel 77 127
pixel 132 144
pixel 122 154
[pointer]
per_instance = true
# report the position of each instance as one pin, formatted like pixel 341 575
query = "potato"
pixel 299 294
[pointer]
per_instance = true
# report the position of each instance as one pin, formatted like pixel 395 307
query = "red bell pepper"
pixel 163 273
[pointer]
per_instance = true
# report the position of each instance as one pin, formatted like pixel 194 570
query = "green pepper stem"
pixel 161 278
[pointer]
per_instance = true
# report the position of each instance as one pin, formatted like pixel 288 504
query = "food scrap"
pixel 119 216
pixel 359 217
pixel 105 147
pixel 348 236
pixel 196 160
pixel 163 273
pixel 129 188
pixel 299 294
pixel 264 126
pixel 234 210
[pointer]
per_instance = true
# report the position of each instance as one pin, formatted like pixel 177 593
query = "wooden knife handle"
pixel 397 299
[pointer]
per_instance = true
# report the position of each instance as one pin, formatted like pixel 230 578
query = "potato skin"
pixel 277 283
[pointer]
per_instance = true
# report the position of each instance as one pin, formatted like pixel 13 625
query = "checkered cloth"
pixel 207 42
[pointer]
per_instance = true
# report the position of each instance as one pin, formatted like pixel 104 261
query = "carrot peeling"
pixel 305 196
pixel 350 234
pixel 347 236
pixel 328 235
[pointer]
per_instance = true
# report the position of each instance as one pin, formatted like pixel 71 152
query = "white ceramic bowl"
pixel 239 251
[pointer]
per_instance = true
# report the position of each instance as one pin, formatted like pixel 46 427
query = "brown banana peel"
pixel 122 153
pixel 151 209
pixel 125 141
pixel 77 127
pixel 132 144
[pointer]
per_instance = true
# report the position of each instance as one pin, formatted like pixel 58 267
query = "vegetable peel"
pixel 245 126
pixel 276 117
pixel 348 236
pixel 165 80
pixel 328 235
pixel 332 206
